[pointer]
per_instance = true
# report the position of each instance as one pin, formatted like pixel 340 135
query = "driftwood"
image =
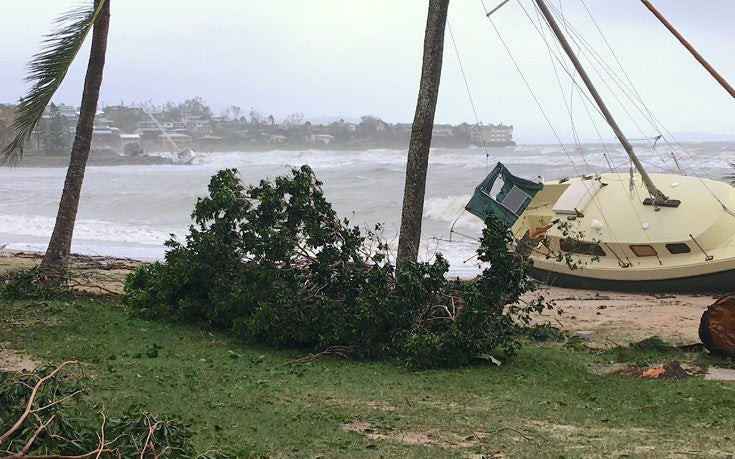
pixel 717 327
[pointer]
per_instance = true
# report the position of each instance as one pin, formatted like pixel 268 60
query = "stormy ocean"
pixel 129 211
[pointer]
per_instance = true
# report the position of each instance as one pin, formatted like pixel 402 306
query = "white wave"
pixel 92 230
pixel 450 209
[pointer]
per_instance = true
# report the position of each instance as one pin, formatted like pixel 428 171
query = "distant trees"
pixel 55 142
pixel 190 107
pixel 369 126
pixel 196 107
pixel 7 115
pixel 125 118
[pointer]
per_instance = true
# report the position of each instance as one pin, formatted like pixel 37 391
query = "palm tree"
pixel 423 124
pixel 48 69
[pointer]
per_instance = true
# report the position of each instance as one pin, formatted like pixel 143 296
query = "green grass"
pixel 239 398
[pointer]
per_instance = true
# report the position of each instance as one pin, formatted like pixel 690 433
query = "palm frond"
pixel 47 70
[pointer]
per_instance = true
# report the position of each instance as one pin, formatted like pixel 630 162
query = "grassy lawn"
pixel 550 401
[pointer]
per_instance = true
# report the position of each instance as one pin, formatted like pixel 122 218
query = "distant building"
pixel 442 131
pixel 492 134
pixel 129 138
pixel 181 140
pixel 105 137
pixel 322 138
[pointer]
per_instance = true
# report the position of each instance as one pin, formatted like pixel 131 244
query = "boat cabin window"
pixel 582 247
pixel 515 200
pixel 678 248
pixel 643 250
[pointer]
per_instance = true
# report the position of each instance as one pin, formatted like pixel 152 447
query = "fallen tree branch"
pixel 341 351
pixel 28 410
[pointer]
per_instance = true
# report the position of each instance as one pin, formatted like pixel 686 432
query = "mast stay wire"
pixel 565 65
pixel 477 121
pixel 654 119
pixel 571 74
pixel 568 105
pixel 635 97
pixel 594 199
pixel 656 123
pixel 602 69
pixel 530 89
pixel 469 95
pixel 548 121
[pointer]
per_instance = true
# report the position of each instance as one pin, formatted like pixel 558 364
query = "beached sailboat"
pixel 183 156
pixel 664 232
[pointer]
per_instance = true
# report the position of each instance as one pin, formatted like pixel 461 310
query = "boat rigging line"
pixel 659 199
pixel 530 90
pixel 469 95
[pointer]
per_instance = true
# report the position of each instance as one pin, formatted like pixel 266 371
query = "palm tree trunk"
pixel 423 124
pixel 57 254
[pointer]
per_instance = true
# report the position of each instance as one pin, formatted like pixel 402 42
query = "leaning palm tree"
pixel 47 70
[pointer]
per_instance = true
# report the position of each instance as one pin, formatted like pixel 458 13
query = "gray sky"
pixel 349 58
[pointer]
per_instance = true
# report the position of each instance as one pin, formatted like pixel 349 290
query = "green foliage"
pixel 653 343
pixel 545 332
pixel 273 264
pixel 55 140
pixel 59 423
pixel 33 283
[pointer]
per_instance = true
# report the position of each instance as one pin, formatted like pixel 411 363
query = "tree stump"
pixel 717 327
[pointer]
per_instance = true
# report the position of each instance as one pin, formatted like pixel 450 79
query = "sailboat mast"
pixel 691 49
pixel 658 197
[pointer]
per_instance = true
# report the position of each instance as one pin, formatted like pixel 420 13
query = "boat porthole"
pixel 643 250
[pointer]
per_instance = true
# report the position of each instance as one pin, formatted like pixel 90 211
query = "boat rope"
pixel 606 75
pixel 707 257
pixel 469 95
pixel 652 118
pixel 595 200
pixel 568 105
pixel 441 239
pixel 676 161
pixel 623 264
pixel 530 89
pixel 608 162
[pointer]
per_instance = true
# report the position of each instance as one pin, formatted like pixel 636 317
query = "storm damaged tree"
pixel 48 69
pixel 423 124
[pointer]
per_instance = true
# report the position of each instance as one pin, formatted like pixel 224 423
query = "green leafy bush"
pixel 273 264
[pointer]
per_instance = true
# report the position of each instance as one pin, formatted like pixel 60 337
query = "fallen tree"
pixel 273 264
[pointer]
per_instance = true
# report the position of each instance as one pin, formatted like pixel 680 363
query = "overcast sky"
pixel 346 58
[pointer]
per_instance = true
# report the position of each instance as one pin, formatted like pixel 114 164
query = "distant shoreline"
pixel 111 158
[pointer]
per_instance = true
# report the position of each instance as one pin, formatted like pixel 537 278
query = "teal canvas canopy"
pixel 509 202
